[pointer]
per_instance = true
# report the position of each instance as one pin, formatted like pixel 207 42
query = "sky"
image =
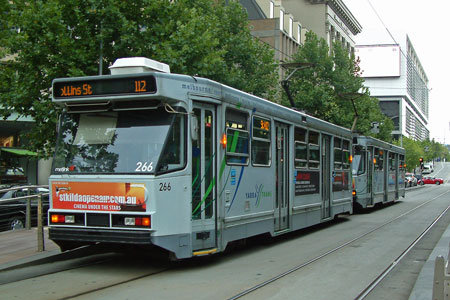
pixel 426 25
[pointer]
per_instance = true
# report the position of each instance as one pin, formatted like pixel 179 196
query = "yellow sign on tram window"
pixel 264 125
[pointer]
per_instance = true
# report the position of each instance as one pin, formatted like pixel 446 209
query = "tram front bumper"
pixel 100 235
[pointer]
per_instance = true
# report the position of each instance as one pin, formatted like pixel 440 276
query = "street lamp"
pixel 285 82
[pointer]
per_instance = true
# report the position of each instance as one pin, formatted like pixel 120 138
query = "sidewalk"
pixel 423 289
pixel 20 246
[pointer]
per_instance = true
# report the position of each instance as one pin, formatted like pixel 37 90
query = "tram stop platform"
pixel 21 247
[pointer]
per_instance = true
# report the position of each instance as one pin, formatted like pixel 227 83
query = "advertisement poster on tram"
pixel 306 182
pixel 99 196
pixel 341 181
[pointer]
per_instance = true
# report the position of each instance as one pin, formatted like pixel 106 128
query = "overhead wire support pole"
pixel 352 97
pixel 356 115
pixel 285 82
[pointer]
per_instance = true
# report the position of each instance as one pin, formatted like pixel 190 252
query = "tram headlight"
pixel 130 221
pixel 137 221
pixel 69 219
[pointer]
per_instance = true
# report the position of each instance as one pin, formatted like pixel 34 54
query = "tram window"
pixel 237 152
pixel 337 154
pixel 301 151
pixel 172 156
pixel 261 142
pixel 346 154
pixel 313 150
pixel 236 119
pixel 402 162
pixel 379 159
pixel 392 161
pixel 120 142
pixel 359 162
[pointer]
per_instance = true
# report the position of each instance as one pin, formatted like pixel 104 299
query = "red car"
pixel 432 180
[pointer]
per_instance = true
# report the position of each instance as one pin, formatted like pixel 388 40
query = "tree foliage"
pixel 328 87
pixel 65 38
pixel 428 150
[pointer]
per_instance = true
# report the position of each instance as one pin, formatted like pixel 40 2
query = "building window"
pixel 271 10
pixel 291 26
pixel 281 20
pixel 299 34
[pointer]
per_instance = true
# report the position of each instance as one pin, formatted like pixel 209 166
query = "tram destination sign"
pixel 103 86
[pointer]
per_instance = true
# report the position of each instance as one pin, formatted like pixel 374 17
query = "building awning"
pixel 23 152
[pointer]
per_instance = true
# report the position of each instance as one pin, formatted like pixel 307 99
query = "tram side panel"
pixel 379 177
pixel 341 177
pixel 392 193
pixel 247 181
pixel 307 192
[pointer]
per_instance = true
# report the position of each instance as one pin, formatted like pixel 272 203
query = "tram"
pixel 378 170
pixel 147 157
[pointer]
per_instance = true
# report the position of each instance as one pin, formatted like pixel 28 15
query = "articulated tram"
pixel 147 157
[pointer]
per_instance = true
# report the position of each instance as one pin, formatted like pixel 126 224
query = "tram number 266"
pixel 164 186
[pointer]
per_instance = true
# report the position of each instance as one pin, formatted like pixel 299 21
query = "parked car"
pixel 432 180
pixel 410 180
pixel 12 214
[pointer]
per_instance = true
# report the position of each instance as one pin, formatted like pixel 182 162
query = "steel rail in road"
pixel 298 267
pixel 380 277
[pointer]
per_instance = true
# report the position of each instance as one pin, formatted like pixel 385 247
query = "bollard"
pixel 438 280
pixel 40 227
pixel 28 212
pixel 441 279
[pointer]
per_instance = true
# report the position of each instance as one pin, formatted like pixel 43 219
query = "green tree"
pixel 414 151
pixel 65 38
pixel 327 89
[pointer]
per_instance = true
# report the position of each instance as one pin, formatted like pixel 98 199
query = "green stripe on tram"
pixel 222 169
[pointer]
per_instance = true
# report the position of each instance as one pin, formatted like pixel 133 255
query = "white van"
pixel 427 169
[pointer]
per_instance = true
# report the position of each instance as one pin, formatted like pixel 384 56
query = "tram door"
pixel 326 183
pixel 281 177
pixel 203 178
pixel 370 170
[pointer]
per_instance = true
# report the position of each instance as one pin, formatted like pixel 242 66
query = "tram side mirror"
pixel 194 127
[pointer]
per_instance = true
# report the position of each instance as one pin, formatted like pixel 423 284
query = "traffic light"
pixel 421 163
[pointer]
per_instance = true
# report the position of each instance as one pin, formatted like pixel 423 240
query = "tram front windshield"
pixel 359 162
pixel 147 141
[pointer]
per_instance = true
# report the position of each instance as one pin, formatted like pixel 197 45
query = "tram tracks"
pixel 379 278
pixel 134 274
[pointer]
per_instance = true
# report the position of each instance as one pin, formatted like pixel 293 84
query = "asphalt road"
pixel 340 275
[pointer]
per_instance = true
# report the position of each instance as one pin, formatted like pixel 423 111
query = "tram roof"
pixel 371 141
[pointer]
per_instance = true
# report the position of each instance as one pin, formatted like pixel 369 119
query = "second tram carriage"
pixel 187 164
pixel 378 171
